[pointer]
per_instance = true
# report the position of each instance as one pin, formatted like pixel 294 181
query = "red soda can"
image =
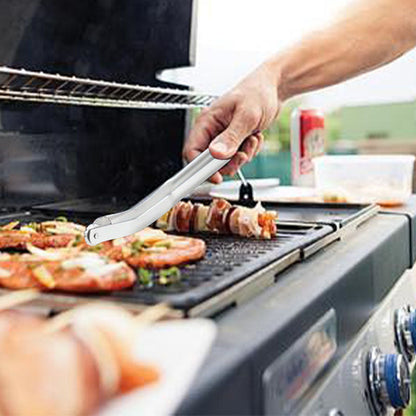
pixel 307 140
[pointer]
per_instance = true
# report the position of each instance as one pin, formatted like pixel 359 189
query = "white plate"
pixel 177 349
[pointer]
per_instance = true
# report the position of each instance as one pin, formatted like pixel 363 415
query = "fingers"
pixel 249 147
pixel 216 179
pixel 206 127
pixel 260 143
pixel 227 143
pixel 238 160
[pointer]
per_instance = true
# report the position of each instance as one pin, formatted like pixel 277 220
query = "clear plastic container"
pixel 386 180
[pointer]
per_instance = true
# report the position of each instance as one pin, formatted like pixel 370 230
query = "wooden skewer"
pixel 147 317
pixel 16 298
pixel 151 314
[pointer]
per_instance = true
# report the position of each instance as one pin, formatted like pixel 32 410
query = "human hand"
pixel 231 127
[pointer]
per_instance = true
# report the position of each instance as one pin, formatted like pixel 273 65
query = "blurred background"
pixel 373 113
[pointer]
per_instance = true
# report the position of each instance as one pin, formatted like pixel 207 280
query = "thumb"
pixel 227 143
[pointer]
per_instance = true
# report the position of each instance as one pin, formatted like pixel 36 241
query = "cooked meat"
pixel 47 234
pixel 84 272
pixel 154 249
pixel 220 217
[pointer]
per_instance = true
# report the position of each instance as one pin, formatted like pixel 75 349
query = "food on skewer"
pixel 71 364
pixel 220 217
pixel 66 270
pixel 47 234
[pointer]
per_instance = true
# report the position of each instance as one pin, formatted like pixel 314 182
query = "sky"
pixel 234 36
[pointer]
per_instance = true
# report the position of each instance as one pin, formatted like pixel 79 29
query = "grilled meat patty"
pixel 85 272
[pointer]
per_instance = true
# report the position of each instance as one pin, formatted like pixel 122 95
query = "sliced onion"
pixel 150 235
pixel 180 243
pixel 45 254
pixel 27 229
pixel 58 227
pixel 108 268
pixel 5 256
pixel 10 226
pixel 119 241
pixel 93 264
pixel 44 277
pixel 154 249
pixel 4 273
pixel 85 261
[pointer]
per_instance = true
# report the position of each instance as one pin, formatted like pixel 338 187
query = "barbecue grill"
pixel 234 268
pixel 76 146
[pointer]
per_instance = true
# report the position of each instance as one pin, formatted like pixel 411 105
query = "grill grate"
pixel 22 85
pixel 228 260
pixel 225 254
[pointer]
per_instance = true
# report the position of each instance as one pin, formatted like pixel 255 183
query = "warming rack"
pixel 23 85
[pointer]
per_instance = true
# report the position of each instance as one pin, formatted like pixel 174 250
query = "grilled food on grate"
pixel 70 365
pixel 77 267
pixel 153 249
pixel 47 234
pixel 220 217
pixel 74 272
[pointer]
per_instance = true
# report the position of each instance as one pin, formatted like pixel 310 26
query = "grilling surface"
pixel 228 260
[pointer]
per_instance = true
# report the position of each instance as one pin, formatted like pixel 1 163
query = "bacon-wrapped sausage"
pixel 220 217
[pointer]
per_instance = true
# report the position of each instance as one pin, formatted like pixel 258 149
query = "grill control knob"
pixel 405 331
pixel 388 377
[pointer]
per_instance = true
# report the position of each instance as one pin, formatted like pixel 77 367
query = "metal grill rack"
pixel 22 85
pixel 233 268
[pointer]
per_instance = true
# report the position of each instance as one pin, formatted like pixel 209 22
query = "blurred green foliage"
pixel 411 411
pixel 277 136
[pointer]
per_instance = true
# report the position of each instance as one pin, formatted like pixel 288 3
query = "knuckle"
pixel 233 138
pixel 204 112
pixel 236 96
pixel 186 153
pixel 252 116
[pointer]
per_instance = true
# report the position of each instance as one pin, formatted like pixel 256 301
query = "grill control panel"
pixel 388 377
pixel 374 376
pixel 405 331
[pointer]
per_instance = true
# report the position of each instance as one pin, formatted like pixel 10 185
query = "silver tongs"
pixel 152 207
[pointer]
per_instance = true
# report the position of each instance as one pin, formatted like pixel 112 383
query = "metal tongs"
pixel 152 207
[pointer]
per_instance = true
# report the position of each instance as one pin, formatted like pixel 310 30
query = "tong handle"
pixel 149 209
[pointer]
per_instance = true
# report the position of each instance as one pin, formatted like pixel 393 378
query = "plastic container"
pixel 386 180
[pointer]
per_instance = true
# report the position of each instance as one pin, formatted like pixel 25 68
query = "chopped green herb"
pixel 122 276
pixel 169 276
pixel 145 276
pixel 136 246
pixel 61 218
pixel 77 240
pixel 96 248
pixel 165 243
pixel 33 225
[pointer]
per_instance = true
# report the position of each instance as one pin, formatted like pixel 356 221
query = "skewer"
pixel 147 317
pixel 16 298
pixel 151 314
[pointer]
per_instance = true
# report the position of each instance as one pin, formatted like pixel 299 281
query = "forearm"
pixel 373 33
